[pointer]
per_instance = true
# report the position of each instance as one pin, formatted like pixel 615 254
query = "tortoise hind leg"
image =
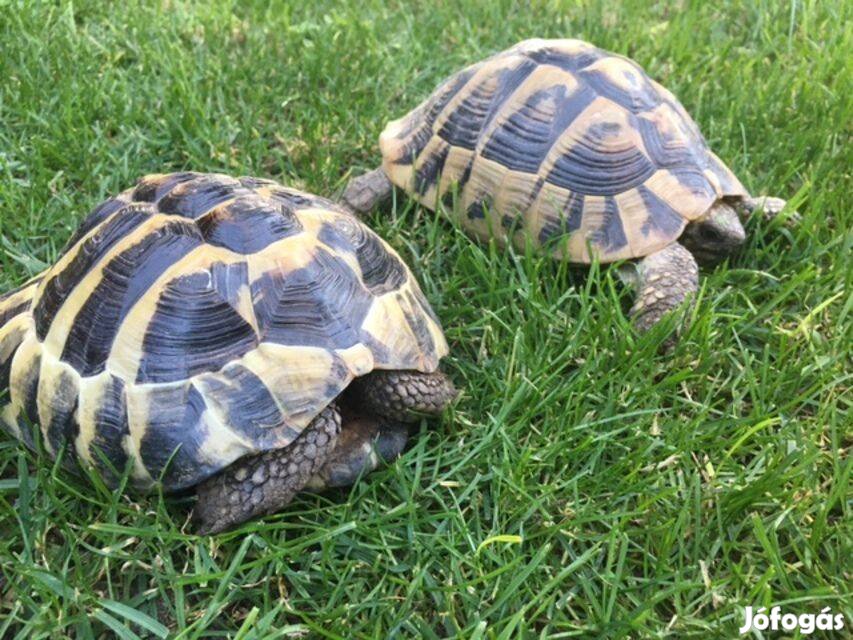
pixel 365 192
pixel 265 483
pixel 382 403
pixel 365 443
pixel 664 280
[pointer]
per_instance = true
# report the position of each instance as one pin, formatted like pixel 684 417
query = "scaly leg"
pixel 404 396
pixel 769 206
pixel 664 280
pixel 365 443
pixel 364 192
pixel 383 403
pixel 265 483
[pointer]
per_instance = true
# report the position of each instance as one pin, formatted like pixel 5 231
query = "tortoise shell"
pixel 561 143
pixel 199 318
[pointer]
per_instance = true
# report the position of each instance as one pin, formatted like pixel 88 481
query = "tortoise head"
pixel 715 235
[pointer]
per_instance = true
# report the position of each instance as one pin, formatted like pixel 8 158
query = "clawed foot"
pixel 266 482
pixel 664 280
pixel 364 445
pixel 770 208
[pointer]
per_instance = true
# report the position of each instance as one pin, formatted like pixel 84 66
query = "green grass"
pixel 652 495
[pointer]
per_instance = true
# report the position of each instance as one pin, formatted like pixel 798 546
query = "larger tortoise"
pixel 205 331
pixel 578 151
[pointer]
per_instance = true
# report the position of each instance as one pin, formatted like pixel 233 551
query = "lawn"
pixel 585 484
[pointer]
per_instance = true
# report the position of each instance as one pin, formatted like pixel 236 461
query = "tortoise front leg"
pixel 664 280
pixel 769 206
pixel 365 192
pixel 404 396
pixel 265 483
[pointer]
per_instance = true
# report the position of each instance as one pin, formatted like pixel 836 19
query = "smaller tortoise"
pixel 231 335
pixel 578 151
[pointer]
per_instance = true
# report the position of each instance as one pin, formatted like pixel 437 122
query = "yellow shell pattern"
pixel 199 318
pixel 561 144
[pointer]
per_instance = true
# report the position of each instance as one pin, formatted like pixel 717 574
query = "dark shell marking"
pixel 199 318
pixel 126 278
pixel 578 144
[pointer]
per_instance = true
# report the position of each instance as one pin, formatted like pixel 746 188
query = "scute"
pixel 194 198
pixel 321 304
pixel 247 225
pixel 194 329
pixel 108 450
pixel 198 318
pixel 125 278
pixel 60 281
pixel 559 138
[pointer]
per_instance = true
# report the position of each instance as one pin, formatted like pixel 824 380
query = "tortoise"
pixel 577 151
pixel 232 335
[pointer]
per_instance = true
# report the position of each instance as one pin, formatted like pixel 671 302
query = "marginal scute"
pixel 107 448
pixel 477 209
pixel 23 387
pixel 486 178
pixel 559 121
pixel 679 196
pixel 18 301
pixel 176 427
pixel 515 197
pixel 12 334
pixel 562 219
pixel 457 171
pixel 57 399
pixel 660 217
pixel 727 182
pixel 430 168
pixel 358 359
pixel 611 234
